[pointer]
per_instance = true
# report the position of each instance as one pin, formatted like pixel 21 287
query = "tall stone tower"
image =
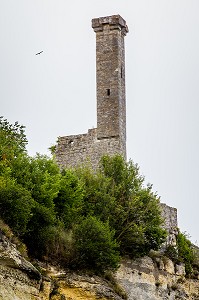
pixel 110 135
pixel 110 77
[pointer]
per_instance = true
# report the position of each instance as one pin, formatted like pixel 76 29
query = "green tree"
pixel 136 216
pixel 16 205
pixel 95 245
pixel 40 175
pixel 97 196
pixel 12 140
pixel 185 252
pixel 39 227
pixel 69 200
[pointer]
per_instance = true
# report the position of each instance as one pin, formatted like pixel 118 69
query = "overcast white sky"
pixel 53 94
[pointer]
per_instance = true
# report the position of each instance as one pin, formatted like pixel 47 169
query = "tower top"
pixel 115 22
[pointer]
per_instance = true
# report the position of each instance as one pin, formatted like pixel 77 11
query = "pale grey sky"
pixel 53 94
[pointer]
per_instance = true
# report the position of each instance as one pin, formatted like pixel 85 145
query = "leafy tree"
pixel 97 196
pixel 12 140
pixel 95 245
pixel 136 217
pixel 88 215
pixel 68 203
pixel 39 226
pixel 16 205
pixel 185 252
pixel 40 175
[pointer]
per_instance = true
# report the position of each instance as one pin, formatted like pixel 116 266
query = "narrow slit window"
pixel 108 92
pixel 121 73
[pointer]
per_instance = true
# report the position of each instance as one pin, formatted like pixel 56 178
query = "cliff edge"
pixel 147 278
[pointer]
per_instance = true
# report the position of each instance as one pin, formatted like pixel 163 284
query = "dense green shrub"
pixel 16 205
pixel 185 252
pixel 69 200
pixel 12 140
pixel 95 245
pixel 53 244
pixel 40 175
pixel 39 225
pixel 136 216
pixel 80 217
pixel 97 196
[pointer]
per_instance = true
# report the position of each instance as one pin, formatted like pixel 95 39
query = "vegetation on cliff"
pixel 76 217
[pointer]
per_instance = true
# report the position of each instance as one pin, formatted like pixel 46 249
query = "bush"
pixel 68 203
pixel 39 225
pixel 16 205
pixel 95 246
pixel 185 252
pixel 135 216
pixel 55 245
pixel 172 253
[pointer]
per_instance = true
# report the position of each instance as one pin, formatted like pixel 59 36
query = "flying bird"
pixel 39 53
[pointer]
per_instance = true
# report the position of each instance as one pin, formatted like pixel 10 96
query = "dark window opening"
pixel 121 73
pixel 108 92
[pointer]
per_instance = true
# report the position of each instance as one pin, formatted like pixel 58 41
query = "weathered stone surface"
pixel 140 279
pixel 180 270
pixel 75 150
pixel 169 266
pixel 143 280
pixel 19 279
pixel 169 215
pixel 110 135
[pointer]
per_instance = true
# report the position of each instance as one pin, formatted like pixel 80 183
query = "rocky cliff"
pixel 142 279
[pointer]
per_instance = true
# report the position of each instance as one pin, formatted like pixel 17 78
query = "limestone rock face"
pixel 141 279
pixel 147 279
pixel 19 279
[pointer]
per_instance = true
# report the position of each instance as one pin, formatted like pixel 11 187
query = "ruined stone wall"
pixel 169 215
pixel 110 135
pixel 75 150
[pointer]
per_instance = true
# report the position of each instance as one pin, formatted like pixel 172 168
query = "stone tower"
pixel 110 135
pixel 110 77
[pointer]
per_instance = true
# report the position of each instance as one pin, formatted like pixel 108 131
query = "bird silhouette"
pixel 39 52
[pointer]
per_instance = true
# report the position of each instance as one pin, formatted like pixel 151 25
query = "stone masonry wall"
pixel 110 76
pixel 110 135
pixel 169 215
pixel 75 150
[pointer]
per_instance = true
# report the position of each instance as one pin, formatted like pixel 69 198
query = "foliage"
pixel 15 205
pixel 68 202
pixel 38 228
pixel 81 218
pixel 185 252
pixel 136 215
pixel 40 175
pixel 12 140
pixel 97 197
pixel 95 245
pixel 172 253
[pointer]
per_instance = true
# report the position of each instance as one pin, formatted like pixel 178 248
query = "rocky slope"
pixel 143 279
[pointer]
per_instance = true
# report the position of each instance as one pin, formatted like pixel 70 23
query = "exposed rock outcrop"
pixel 156 279
pixel 141 279
pixel 19 279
